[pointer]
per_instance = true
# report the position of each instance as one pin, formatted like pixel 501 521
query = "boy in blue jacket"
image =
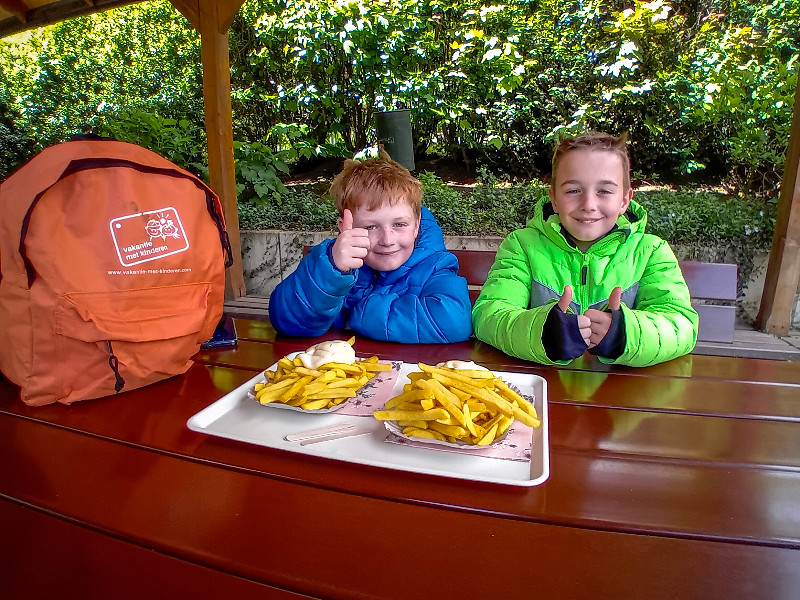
pixel 387 275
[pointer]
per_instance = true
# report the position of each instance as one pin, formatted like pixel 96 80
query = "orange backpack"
pixel 112 270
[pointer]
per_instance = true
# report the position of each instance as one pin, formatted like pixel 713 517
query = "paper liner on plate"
pixel 394 428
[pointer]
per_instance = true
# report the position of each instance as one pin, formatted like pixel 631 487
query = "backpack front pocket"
pixel 131 336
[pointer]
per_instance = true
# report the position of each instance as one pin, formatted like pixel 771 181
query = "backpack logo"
pixel 147 236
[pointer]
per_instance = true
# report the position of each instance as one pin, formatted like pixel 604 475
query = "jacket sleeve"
pixel 435 311
pixel 307 302
pixel 663 324
pixel 501 316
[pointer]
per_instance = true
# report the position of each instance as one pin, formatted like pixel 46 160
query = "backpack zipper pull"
pixel 113 362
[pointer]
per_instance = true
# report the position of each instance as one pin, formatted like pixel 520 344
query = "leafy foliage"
pixel 688 216
pixel 705 89
pixel 181 141
pixel 256 173
pixel 72 77
pixel 453 208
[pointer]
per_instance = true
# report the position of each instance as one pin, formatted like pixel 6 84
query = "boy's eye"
pixel 401 224
pixel 573 191
pixel 370 227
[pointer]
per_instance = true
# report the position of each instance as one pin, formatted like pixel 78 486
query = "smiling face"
pixel 589 193
pixel 392 230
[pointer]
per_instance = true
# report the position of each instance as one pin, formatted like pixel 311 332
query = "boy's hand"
pixel 351 246
pixel 600 321
pixel 584 323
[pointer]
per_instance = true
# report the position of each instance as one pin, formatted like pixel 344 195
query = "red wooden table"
pixel 676 481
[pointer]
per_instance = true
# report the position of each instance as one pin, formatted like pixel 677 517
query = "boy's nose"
pixel 589 203
pixel 386 236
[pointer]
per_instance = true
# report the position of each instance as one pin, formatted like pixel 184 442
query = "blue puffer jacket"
pixel 422 301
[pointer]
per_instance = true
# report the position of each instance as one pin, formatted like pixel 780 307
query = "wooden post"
pixel 213 19
pixel 783 270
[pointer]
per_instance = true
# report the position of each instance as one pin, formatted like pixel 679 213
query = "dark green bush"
pixel 179 140
pixel 501 208
pixel 705 89
pixel 492 208
pixel 15 148
pixel 300 211
pixel 453 208
pixel 688 217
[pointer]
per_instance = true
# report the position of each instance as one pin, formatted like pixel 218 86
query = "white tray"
pixel 237 417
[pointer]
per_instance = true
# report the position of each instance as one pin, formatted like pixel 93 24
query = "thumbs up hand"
pixel 584 323
pixel 351 246
pixel 566 298
pixel 600 321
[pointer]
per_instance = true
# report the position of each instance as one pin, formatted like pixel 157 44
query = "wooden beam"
pixel 783 270
pixel 225 11
pixel 219 128
pixel 17 8
pixel 55 12
pixel 190 10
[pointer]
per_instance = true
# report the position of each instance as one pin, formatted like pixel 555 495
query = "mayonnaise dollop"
pixel 338 351
pixel 462 364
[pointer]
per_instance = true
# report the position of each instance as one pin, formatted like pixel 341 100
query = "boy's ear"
pixel 552 198
pixel 626 201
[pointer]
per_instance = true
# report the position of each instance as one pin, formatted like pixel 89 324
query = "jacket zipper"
pixel 583 297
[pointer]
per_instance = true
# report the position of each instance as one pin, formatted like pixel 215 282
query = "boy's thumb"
pixel 615 299
pixel 346 222
pixel 566 298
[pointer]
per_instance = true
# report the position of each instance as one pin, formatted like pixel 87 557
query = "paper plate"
pixel 394 428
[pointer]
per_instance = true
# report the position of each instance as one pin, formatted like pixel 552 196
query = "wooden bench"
pixel 714 282
pixel 708 282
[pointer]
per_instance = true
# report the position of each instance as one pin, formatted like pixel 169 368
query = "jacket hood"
pixel 430 233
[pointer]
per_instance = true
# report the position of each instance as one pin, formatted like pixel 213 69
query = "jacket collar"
pixel 635 218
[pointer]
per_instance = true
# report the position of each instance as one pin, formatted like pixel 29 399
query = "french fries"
pixel 323 387
pixel 458 406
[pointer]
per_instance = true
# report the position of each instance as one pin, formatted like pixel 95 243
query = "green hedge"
pixel 492 208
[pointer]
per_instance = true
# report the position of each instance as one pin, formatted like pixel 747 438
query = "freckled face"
pixel 392 233
pixel 588 194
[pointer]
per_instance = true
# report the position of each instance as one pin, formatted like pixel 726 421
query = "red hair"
pixel 374 182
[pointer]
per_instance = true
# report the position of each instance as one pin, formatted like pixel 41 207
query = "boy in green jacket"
pixel 583 274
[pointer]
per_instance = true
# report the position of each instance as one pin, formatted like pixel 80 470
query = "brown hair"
pixel 595 140
pixel 373 182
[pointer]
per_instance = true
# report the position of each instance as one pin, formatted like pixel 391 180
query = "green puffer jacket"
pixel 534 264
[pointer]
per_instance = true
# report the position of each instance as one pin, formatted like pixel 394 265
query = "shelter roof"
pixel 19 15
